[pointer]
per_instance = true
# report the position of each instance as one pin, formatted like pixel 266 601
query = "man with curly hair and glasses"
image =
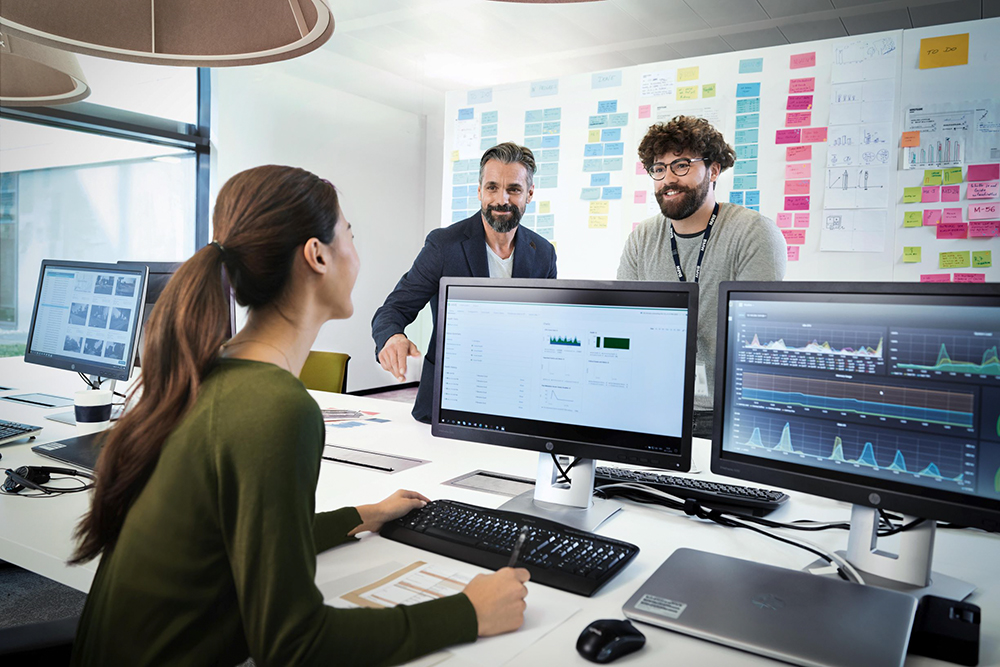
pixel 696 238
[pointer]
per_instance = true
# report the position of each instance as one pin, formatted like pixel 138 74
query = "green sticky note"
pixel 708 90
pixel 912 219
pixel 932 177
pixel 952 175
pixel 982 258
pixel 911 195
pixel 954 260
pixel 911 254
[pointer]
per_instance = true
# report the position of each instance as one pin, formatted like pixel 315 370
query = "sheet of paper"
pixel 865 59
pixel 857 187
pixel 852 230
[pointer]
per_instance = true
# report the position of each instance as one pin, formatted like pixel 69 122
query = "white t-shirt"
pixel 499 268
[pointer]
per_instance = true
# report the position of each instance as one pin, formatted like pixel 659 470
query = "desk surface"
pixel 37 533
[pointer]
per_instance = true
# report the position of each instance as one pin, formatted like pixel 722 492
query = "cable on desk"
pixel 100 381
pixel 564 474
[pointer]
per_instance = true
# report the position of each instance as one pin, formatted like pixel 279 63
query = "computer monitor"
pixel 588 369
pixel 883 395
pixel 86 316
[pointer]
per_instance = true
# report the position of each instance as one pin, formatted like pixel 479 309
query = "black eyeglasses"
pixel 680 167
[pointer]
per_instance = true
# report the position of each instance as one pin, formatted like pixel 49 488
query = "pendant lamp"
pixel 36 75
pixel 197 33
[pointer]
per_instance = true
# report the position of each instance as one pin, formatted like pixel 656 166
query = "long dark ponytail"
pixel 262 216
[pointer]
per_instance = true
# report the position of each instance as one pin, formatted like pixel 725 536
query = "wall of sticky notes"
pixel 820 133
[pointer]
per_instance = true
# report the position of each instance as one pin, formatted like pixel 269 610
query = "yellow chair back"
pixel 325 371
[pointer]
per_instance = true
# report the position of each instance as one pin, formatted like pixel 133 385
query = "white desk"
pixel 36 534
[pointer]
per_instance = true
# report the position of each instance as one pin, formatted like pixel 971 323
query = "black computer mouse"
pixel 608 639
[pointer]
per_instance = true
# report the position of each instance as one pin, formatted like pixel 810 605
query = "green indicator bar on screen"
pixel 615 343
pixel 599 344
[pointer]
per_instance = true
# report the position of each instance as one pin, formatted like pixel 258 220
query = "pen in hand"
pixel 518 545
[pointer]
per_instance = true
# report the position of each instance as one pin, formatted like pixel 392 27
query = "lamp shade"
pixel 36 75
pixel 199 33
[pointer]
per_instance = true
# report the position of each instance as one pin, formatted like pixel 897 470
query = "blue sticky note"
pixel 471 177
pixel 592 164
pixel 530 207
pixel 487 142
pixel 545 88
pixel 481 96
pixel 615 148
pixel 458 179
pixel 600 179
pixel 607 106
pixel 472 190
pixel 489 130
pixel 532 129
pixel 458 215
pixel 548 169
pixel 598 121
pixel 547 182
pixel 745 182
pixel 753 198
pixel 590 194
pixel 533 116
pixel 754 208
pixel 552 127
pixel 593 150
pixel 546 220
pixel 533 142
pixel 736 197
pixel 547 233
pixel 458 191
pixel 613 164
pixel 528 220
pixel 611 134
pixel 606 79
pixel 491 116
pixel 617 120
pixel 745 167
pixel 746 136
pixel 550 141
pixel 751 65
pixel 748 105
pixel 614 192
pixel 747 121
pixel 746 151
pixel 466 114
pixel 472 203
pixel 468 165
pixel 550 155
pixel 553 113
pixel 457 204
pixel 748 90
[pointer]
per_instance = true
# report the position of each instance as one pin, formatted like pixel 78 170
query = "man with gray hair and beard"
pixel 490 244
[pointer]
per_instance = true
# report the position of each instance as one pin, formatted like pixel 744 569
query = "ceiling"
pixel 455 44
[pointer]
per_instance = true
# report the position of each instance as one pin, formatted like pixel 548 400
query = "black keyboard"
pixel 11 431
pixel 756 501
pixel 556 555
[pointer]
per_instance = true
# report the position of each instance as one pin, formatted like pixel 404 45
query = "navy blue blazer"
pixel 458 250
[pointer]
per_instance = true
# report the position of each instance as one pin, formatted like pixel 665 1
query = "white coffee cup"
pixel 93 410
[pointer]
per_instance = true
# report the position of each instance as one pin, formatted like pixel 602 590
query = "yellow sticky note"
pixel 911 254
pixel 687 73
pixel 593 136
pixel 912 219
pixel 954 260
pixel 944 51
pixel 599 207
pixel 932 177
pixel 454 156
pixel 708 90
pixel 598 222
pixel 952 175
pixel 544 207
pixel 982 259
pixel 687 92
pixel 911 195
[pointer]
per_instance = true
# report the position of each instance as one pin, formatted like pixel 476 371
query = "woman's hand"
pixel 498 599
pixel 373 517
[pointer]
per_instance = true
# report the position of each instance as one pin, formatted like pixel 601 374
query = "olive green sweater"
pixel 217 557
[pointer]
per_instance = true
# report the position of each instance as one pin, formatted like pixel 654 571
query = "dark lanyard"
pixel 701 253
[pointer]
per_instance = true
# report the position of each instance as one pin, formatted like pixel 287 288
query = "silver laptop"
pixel 789 615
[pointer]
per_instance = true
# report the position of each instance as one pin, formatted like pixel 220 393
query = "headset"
pixel 36 478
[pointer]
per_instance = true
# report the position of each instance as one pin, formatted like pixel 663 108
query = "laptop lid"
pixel 80 451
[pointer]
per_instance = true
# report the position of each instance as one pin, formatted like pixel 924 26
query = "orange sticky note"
pixel 945 51
pixel 911 139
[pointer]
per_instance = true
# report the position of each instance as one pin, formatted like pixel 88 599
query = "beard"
pixel 503 224
pixel 684 206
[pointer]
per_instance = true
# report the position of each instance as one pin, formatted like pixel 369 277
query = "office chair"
pixel 325 371
pixel 47 644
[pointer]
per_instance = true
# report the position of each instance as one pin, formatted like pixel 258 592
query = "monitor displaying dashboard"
pixel 86 317
pixel 879 394
pixel 592 369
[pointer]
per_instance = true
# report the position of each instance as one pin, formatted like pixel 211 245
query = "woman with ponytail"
pixel 204 509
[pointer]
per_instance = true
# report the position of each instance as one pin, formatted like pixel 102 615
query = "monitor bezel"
pixel 873 492
pixel 81 366
pixel 605 451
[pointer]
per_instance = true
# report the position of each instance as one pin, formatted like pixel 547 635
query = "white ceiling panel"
pixel 728 12
pixel 808 31
pixel 780 8
pixel 701 47
pixel 665 17
pixel 757 39
pixel 865 23
pixel 605 21
pixel 651 54
pixel 946 12
pixel 846 4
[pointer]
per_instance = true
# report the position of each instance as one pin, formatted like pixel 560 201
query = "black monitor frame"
pixel 598 443
pixel 79 365
pixel 920 501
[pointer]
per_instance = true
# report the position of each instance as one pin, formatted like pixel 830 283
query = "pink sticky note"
pixel 800 60
pixel 644 110
pixel 787 136
pixel 799 102
pixel 797 187
pixel 793 253
pixel 640 196
pixel 930 193
pixel 984 211
pixel 798 118
pixel 952 230
pixel 935 278
pixel 796 203
pixel 982 190
pixel 796 86
pixel 952 215
pixel 812 135
pixel 932 216
pixel 983 172
pixel 796 153
pixel 984 228
pixel 639 169
pixel 634 225
pixel 794 236
pixel 798 170
pixel 950 192
pixel 970 277
pixel 802 219
pixel 785 219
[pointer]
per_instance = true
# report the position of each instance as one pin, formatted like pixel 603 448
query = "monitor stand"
pixel 70 416
pixel 909 571
pixel 572 504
